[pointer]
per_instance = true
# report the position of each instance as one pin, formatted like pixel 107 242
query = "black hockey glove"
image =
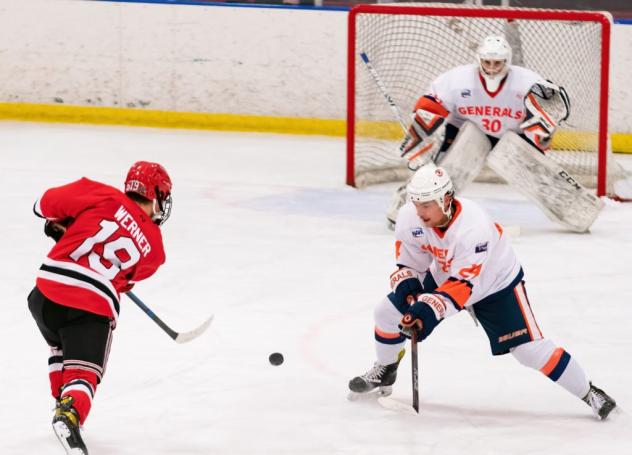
pixel 406 285
pixel 422 316
pixel 55 230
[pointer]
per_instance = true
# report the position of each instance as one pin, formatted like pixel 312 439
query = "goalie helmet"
pixel 431 183
pixel 151 181
pixel 493 49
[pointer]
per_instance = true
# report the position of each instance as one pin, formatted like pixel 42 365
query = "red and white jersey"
pixel 463 93
pixel 110 243
pixel 470 260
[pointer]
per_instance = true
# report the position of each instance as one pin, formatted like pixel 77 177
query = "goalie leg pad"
pixel 561 198
pixel 466 156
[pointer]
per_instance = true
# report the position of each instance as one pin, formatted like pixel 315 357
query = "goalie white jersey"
pixel 469 261
pixel 462 92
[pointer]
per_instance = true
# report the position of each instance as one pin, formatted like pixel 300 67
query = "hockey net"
pixel 409 45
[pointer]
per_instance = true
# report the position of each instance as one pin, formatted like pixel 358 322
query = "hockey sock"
pixel 55 367
pixel 81 385
pixel 555 363
pixel 567 372
pixel 388 345
pixel 388 340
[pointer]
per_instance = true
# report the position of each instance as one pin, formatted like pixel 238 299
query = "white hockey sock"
pixel 574 379
pixel 388 353
pixel 555 363
pixel 388 341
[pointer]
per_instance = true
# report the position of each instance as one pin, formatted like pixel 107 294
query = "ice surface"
pixel 265 235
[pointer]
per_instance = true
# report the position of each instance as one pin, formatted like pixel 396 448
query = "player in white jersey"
pixel 450 257
pixel 492 94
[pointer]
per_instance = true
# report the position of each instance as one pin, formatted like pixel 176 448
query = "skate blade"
pixel 63 433
pixel 395 405
pixel 373 394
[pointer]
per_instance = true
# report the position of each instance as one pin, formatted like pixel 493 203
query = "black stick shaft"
pixel 172 333
pixel 415 369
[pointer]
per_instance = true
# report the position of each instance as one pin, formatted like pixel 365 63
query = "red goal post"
pixel 411 44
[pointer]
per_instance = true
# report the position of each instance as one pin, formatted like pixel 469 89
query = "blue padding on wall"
pixel 234 5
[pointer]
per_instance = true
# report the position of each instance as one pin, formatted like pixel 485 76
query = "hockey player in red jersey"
pixel 451 257
pixel 107 240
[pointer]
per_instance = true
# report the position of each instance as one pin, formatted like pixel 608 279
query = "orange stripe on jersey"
pixel 552 362
pixel 499 228
pixel 398 248
pixel 387 334
pixel 459 291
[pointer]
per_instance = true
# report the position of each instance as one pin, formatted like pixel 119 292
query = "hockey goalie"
pixel 503 115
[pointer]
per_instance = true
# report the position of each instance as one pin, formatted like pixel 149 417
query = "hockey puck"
pixel 276 358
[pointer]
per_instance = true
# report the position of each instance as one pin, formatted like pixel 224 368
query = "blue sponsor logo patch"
pixel 418 232
pixel 466 93
pixel 481 247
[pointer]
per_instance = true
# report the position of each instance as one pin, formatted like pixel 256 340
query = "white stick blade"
pixel 185 337
pixel 395 405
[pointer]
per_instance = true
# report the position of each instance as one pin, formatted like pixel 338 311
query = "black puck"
pixel 276 358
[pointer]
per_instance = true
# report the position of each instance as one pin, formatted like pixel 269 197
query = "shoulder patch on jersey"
pixel 417 232
pixel 481 247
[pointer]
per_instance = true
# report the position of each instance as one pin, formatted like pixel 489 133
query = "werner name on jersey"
pixel 104 250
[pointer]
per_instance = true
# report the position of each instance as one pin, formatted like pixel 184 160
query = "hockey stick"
pixel 396 405
pixel 395 108
pixel 178 337
pixel 415 369
pixel 389 99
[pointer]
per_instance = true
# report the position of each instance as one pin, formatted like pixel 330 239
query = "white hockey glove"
pixel 546 106
pixel 425 133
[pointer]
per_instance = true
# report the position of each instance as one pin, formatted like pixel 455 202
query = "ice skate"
pixel 381 377
pixel 600 402
pixel 66 427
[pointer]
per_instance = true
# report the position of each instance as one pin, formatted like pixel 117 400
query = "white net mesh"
pixel 409 51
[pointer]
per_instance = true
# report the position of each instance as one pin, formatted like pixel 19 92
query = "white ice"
pixel 266 236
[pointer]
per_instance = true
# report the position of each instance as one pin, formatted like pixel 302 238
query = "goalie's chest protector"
pixel 462 92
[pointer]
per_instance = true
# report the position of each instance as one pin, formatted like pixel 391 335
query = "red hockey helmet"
pixel 151 181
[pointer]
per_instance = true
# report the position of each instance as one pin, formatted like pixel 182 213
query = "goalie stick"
pixel 389 99
pixel 178 337
pixel 394 107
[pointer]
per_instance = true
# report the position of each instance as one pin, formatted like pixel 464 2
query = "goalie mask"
pixel 494 60
pixel 431 183
pixel 151 181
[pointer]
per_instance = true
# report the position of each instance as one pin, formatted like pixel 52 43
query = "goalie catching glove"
pixel 423 316
pixel 546 106
pixel 424 134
